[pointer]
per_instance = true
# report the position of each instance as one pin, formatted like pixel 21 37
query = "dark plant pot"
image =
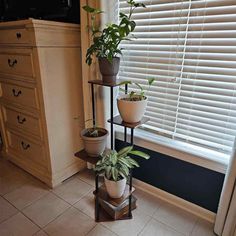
pixel 109 70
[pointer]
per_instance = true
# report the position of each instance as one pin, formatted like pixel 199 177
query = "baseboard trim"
pixel 174 200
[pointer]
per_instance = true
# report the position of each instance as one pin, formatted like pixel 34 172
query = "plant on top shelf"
pixel 115 166
pixel 94 139
pixel 132 106
pixel 106 42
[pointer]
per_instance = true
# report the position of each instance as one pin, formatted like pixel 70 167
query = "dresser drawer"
pixel 20 95
pixel 14 36
pixel 26 149
pixel 17 63
pixel 22 121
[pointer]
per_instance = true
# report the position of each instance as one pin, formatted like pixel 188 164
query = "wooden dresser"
pixel 41 93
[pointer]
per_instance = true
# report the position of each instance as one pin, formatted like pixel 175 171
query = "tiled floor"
pixel 28 207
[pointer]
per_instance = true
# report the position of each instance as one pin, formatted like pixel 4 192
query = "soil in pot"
pixel 94 145
pixel 109 70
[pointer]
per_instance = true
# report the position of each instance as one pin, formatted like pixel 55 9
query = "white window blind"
pixel 190 48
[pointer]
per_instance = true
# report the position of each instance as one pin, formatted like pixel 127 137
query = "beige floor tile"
pixel 18 225
pixel 146 202
pixel 72 190
pixel 203 228
pixel 100 230
pixel 27 194
pixel 176 218
pixel 86 204
pixel 46 209
pixel 11 182
pixel 87 176
pixel 155 228
pixel 72 222
pixel 6 209
pixel 129 227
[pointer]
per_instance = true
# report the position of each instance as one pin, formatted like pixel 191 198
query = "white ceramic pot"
pixel 115 189
pixel 94 146
pixel 131 111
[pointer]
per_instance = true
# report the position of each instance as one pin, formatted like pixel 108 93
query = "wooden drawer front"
pixel 19 94
pixel 17 64
pixel 26 149
pixel 22 121
pixel 14 36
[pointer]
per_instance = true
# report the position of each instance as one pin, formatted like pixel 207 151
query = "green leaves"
pixel 151 81
pixel 137 96
pixel 125 82
pixel 124 151
pixel 139 86
pixel 140 154
pixel 89 9
pixel 116 165
pixel 106 42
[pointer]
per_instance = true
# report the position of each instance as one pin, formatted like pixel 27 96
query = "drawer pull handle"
pixel 12 63
pixel 21 120
pixel 18 35
pixel 25 146
pixel 16 93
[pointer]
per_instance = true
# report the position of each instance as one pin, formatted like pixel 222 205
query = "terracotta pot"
pixel 115 189
pixel 109 70
pixel 131 111
pixel 94 146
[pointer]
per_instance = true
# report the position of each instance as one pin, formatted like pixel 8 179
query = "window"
pixel 190 48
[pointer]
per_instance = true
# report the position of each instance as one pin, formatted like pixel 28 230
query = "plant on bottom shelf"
pixel 115 166
pixel 132 106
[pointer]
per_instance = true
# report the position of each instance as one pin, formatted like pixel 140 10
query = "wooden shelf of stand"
pixel 102 194
pixel 115 208
pixel 117 120
pixel 104 210
pixel 100 82
pixel 85 157
pixel 105 217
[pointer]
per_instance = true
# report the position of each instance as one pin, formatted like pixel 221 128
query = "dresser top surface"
pixel 28 23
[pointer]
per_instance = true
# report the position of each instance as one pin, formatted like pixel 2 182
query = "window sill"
pixel 177 149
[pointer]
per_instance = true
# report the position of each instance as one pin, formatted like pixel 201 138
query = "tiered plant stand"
pixel 106 208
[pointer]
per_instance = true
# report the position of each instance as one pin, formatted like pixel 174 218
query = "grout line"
pixel 32 202
pixel 40 231
pixel 67 209
pixel 91 229
pixel 71 204
pixel 171 228
pixel 109 229
pixel 50 221
pixel 11 215
pixel 144 226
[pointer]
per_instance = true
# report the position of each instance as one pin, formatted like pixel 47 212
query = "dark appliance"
pixel 57 10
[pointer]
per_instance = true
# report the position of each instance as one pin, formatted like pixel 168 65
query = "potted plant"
pixel 132 106
pixel 94 139
pixel 105 43
pixel 116 168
